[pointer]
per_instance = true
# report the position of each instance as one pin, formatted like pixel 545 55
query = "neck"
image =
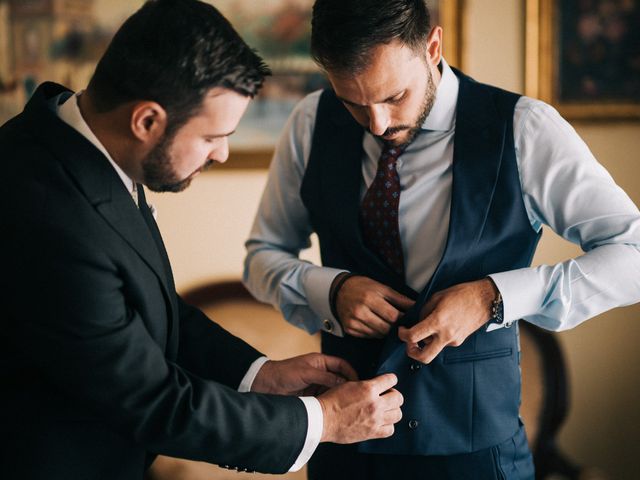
pixel 108 127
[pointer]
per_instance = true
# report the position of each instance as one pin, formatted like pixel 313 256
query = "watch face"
pixel 497 311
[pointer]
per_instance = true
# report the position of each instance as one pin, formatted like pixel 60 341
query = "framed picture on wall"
pixel 583 57
pixel 40 40
pixel 280 31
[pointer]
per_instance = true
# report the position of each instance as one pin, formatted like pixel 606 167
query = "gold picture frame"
pixel 451 18
pixel 554 32
pixel 448 14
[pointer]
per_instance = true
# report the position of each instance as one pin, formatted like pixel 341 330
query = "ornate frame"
pixel 543 69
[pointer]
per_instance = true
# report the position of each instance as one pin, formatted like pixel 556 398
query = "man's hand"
pixel 358 411
pixel 308 374
pixel 449 317
pixel 368 309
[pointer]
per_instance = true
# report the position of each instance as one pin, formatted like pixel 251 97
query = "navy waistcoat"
pixel 468 398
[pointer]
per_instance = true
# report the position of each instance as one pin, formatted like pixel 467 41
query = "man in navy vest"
pixel 428 192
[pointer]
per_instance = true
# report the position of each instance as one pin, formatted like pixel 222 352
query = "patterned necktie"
pixel 379 211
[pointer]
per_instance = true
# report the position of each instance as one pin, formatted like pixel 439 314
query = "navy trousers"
pixel 509 460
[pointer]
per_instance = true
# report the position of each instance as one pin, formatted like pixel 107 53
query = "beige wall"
pixel 205 227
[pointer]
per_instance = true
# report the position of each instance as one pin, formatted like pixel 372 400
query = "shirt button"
pixel 413 424
pixel 415 366
pixel 328 326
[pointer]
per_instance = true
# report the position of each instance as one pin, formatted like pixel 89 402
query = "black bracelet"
pixel 334 294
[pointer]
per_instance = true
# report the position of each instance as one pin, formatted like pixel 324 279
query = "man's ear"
pixel 148 121
pixel 434 46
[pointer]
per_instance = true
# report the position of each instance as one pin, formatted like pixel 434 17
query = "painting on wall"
pixel 280 30
pixel 42 40
pixel 583 57
pixel 61 41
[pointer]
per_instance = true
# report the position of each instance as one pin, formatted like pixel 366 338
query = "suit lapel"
pixel 172 339
pixel 95 178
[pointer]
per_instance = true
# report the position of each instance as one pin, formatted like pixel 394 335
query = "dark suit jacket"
pixel 102 365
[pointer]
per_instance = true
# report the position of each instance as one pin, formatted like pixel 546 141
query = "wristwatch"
pixel 497 312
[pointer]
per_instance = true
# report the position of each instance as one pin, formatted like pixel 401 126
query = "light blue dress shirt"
pixel 563 187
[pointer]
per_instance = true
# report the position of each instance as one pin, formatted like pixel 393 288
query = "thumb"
pixel 340 366
pixel 383 383
pixel 404 334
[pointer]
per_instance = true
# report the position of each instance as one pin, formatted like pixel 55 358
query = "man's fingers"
pixel 398 300
pixel 377 324
pixel 385 431
pixel 387 312
pixel 313 376
pixel 392 399
pixel 392 416
pixel 415 334
pixel 359 328
pixel 382 383
pixel 427 353
pixel 340 366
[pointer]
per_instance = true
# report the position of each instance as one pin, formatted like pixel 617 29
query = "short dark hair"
pixel 343 32
pixel 173 52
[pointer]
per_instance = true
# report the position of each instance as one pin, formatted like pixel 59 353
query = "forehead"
pixel 391 68
pixel 221 108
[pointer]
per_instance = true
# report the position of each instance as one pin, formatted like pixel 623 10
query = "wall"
pixel 205 227
pixel 5 60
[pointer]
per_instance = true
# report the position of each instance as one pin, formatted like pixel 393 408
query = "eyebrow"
pixel 388 99
pixel 221 135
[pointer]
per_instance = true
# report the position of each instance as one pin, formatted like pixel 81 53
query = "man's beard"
pixel 157 171
pixel 427 105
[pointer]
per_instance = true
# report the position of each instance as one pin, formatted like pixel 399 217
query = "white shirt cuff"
pixel 315 421
pixel 522 293
pixel 250 376
pixel 317 284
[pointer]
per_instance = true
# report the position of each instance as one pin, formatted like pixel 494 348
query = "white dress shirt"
pixel 69 112
pixel 563 187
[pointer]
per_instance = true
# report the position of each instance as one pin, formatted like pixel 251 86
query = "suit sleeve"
pixel 206 348
pixel 92 346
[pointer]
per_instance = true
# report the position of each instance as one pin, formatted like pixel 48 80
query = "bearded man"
pixel 428 192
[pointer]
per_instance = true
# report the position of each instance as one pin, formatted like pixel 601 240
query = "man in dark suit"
pixel 103 366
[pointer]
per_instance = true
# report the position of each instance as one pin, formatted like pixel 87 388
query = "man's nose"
pixel 221 153
pixel 378 119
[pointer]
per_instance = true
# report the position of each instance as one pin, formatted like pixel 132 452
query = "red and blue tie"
pixel 379 211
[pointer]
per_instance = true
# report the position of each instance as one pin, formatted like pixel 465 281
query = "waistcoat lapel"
pixel 340 190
